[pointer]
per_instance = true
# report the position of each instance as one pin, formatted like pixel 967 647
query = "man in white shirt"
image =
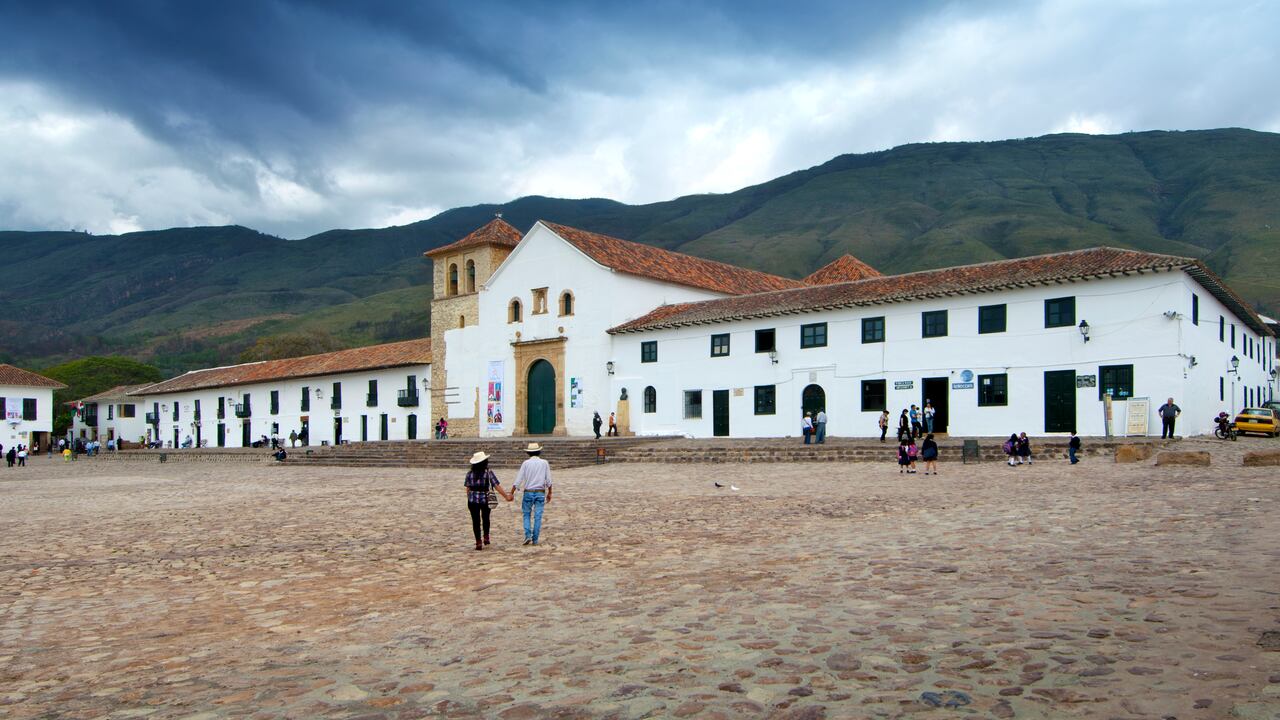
pixel 534 480
pixel 821 426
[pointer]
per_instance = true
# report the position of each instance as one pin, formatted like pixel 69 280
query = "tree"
pixel 289 345
pixel 92 375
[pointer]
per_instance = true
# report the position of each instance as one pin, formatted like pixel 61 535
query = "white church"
pixel 535 333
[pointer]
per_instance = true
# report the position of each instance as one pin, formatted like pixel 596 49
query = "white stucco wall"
pixel 289 418
pixel 20 431
pixel 602 298
pixel 1128 326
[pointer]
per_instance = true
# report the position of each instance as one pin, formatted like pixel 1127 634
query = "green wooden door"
pixel 542 398
pixel 413 427
pixel 222 435
pixel 720 413
pixel 1059 400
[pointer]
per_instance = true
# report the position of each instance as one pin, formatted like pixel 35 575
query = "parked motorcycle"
pixel 1226 429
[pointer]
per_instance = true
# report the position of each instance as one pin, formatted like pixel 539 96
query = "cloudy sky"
pixel 295 116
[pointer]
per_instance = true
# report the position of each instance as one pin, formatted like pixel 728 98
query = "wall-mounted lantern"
pixel 1084 330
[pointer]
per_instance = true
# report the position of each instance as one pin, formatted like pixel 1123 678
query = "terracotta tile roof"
pixel 119 392
pixel 962 280
pixel 373 357
pixel 496 232
pixel 657 264
pixel 10 375
pixel 845 268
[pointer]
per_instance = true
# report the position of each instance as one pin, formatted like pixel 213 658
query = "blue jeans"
pixel 533 503
pixel 822 432
pixel 928 423
pixel 1071 453
pixel 807 435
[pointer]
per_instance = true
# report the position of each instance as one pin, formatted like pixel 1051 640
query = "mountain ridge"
pixel 188 297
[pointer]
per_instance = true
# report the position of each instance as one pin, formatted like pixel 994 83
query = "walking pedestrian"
pixel 806 426
pixel 929 412
pixel 904 455
pixel 293 438
pixel 820 426
pixel 1024 449
pixel 1168 413
pixel 904 425
pixel 22 456
pixel 1073 447
pixel 11 457
pixel 480 481
pixel 596 424
pixel 913 453
pixel 534 481
pixel 442 429
pixel 613 425
pixel 915 422
pixel 929 453
pixel 884 424
pixel 1011 449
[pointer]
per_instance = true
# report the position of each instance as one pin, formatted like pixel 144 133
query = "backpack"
pixel 1008 447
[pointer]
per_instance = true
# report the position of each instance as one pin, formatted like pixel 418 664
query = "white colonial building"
pixel 369 393
pixel 536 333
pixel 114 414
pixel 26 407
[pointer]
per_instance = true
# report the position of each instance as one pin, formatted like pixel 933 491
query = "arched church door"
pixel 813 399
pixel 541 394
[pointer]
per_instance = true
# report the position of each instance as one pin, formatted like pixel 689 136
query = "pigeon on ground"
pixel 733 488
pixel 713 482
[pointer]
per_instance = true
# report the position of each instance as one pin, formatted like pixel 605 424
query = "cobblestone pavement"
pixel 1101 590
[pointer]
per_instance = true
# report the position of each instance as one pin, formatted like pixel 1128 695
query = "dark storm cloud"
pixel 297 116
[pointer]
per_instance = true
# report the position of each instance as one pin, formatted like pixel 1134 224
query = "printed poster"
pixel 1139 416
pixel 493 396
pixel 575 393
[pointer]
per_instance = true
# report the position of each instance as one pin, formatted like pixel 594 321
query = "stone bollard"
pixel 1171 457
pixel 1262 458
pixel 1135 453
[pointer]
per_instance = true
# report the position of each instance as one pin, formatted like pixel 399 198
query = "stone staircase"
pixel 579 452
pixel 793 450
pixel 454 453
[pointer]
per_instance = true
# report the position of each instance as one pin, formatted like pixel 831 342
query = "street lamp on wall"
pixel 609 366
pixel 773 356
pixel 1084 330
pixel 1235 364
pixel 319 393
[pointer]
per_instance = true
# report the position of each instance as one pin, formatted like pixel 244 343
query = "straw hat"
pixel 479 457
pixel 533 448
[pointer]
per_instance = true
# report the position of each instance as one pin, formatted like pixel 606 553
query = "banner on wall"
pixel 575 393
pixel 493 398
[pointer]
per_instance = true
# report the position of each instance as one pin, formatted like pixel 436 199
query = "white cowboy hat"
pixel 533 447
pixel 479 457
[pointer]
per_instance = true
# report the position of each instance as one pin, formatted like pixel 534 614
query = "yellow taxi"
pixel 1258 420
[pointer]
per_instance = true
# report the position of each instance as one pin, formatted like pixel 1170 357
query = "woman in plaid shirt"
pixel 480 479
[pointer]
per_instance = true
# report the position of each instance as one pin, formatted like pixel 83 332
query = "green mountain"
pixel 188 297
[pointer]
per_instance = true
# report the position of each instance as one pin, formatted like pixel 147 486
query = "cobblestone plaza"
pixel 213 590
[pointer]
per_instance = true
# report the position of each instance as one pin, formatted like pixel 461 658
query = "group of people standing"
pixel 913 423
pixel 16 455
pixel 909 453
pixel 533 480
pixel 814 427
